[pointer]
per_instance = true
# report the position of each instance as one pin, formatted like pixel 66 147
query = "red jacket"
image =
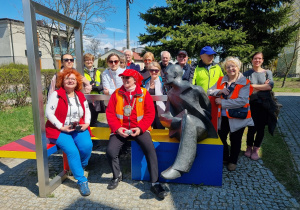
pixel 144 124
pixel 61 113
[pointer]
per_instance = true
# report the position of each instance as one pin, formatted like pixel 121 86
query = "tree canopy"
pixel 232 27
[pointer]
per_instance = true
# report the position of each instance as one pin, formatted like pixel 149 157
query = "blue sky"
pixel 115 32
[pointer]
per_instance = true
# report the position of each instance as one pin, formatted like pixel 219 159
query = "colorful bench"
pixel 207 168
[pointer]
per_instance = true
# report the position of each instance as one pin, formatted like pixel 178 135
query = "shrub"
pixel 15 84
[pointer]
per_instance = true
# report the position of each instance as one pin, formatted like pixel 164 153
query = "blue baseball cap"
pixel 207 50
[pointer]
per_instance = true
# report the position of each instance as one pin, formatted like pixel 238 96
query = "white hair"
pixel 127 50
pixel 162 52
pixel 235 60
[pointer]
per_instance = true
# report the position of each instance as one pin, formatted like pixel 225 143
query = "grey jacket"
pixel 243 98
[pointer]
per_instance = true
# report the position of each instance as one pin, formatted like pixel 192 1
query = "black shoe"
pixel 159 191
pixel 114 183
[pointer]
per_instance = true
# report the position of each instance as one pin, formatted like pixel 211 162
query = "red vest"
pixel 61 113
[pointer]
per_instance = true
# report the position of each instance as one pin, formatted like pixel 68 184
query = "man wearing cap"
pixel 207 72
pixel 188 71
pixel 130 65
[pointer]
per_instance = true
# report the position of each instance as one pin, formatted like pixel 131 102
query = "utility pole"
pixel 127 22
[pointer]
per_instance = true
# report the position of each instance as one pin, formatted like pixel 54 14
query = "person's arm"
pixel 50 110
pixel 107 80
pixel 52 85
pixel 242 100
pixel 262 87
pixel 87 116
pixel 138 68
pixel 111 117
pixel 87 88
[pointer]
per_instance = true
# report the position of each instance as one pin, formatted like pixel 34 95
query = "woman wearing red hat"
pixel 130 113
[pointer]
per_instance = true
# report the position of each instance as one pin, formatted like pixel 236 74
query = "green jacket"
pixel 96 80
pixel 207 78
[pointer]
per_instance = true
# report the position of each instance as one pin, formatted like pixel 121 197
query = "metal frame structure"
pixel 30 8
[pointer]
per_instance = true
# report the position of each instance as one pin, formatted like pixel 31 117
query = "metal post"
pixel 36 96
pixel 79 49
pixel 30 8
pixel 127 24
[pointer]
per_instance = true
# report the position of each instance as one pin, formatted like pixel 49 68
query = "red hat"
pixel 133 73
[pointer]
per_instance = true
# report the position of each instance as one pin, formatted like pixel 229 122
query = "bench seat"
pixel 24 148
pixel 207 168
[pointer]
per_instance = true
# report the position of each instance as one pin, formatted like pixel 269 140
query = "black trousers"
pixel 235 141
pixel 94 115
pixel 259 116
pixel 145 141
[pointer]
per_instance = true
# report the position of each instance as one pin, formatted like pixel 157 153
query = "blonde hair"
pixel 147 55
pixel 89 56
pixel 156 65
pixel 233 60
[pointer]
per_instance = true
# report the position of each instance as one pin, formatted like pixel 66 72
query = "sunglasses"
pixel 111 62
pixel 181 56
pixel 70 79
pixel 147 61
pixel 125 77
pixel 68 59
pixel 154 71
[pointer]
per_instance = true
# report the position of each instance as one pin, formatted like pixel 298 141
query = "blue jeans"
pixel 78 148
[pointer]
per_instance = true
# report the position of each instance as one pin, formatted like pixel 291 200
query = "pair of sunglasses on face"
pixel 154 71
pixel 68 59
pixel 111 62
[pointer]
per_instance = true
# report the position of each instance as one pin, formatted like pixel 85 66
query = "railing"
pixel 98 97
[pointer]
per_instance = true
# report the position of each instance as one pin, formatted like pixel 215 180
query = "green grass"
pixel 15 123
pixel 291 85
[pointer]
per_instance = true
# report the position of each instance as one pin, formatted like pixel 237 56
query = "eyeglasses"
pixel 231 66
pixel 125 77
pixel 68 59
pixel 154 71
pixel 70 79
pixel 147 61
pixel 122 62
pixel 111 62
pixel 181 56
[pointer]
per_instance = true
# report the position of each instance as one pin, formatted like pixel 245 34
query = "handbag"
pixel 240 113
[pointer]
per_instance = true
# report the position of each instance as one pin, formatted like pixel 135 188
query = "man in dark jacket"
pixel 188 71
pixel 165 62
pixel 130 65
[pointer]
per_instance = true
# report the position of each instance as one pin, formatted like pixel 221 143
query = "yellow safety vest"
pixel 97 78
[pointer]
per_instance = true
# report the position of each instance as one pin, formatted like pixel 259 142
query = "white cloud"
pixel 99 20
pixel 116 30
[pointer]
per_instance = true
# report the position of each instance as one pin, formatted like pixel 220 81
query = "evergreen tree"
pixel 232 27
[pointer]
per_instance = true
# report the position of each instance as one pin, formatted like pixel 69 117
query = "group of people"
pixel 131 112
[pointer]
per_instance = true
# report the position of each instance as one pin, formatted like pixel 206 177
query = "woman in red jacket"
pixel 130 113
pixel 68 123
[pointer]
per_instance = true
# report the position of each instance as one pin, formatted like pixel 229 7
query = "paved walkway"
pixel 251 186
pixel 289 124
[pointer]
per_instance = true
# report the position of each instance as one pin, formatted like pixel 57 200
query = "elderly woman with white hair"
pixel 232 92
